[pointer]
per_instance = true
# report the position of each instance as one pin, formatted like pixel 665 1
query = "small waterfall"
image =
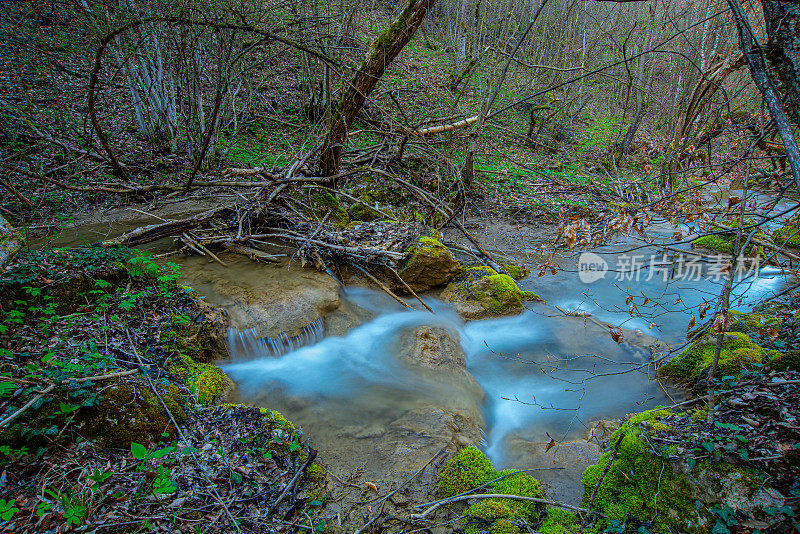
pixel 246 344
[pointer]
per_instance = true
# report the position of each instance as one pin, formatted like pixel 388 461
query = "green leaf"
pixel 295 445
pixel 708 445
pixel 160 453
pixel 139 451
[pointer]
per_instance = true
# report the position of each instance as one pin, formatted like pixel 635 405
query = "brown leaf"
pixel 371 486
pixel 721 323
pixel 617 335
pixel 550 445
pixel 772 334
pixel 702 310
pixel 692 322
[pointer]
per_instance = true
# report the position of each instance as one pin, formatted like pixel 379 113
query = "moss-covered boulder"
pixel 789 234
pixel 470 469
pixel 739 352
pixel 326 204
pixel 558 521
pixel 428 264
pixel 485 293
pixel 646 486
pixel 466 470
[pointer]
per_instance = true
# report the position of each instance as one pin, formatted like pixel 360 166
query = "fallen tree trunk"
pixel 154 232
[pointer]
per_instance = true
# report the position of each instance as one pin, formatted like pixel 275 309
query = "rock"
pixel 739 352
pixel 570 459
pixel 429 264
pixel 484 293
pixel 132 413
pixel 326 204
pixel 436 348
pixel 270 299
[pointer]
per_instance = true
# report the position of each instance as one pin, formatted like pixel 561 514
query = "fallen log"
pixel 154 232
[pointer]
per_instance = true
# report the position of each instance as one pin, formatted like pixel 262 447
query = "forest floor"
pixel 99 342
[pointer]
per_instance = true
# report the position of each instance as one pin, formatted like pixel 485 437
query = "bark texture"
pixel 382 52
pixel 783 51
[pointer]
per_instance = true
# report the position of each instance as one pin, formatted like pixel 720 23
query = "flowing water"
pixel 341 369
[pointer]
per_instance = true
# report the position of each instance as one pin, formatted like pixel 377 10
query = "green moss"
pixel 326 203
pixel 209 384
pixel 205 380
pixel 530 296
pixel 752 323
pixel 788 235
pixel 738 352
pixel 785 361
pixel 643 486
pixel 714 242
pixel 501 294
pixel 515 271
pixel 631 486
pixel 481 270
pixel 468 469
pixel 515 484
pixel 429 247
pixel 559 521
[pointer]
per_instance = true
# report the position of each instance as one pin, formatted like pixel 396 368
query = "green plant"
pixel 7 509
pixel 75 506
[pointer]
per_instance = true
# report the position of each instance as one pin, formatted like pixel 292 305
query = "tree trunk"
pixel 382 52
pixel 783 50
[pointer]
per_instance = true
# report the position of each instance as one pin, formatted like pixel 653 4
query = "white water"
pixel 544 375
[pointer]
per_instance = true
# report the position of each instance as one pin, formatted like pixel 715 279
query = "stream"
pixel 335 360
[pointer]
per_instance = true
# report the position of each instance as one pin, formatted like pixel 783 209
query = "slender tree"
pixel 382 52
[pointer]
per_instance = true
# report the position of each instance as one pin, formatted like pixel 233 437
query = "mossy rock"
pixel 558 521
pixel 326 203
pixel 785 361
pixel 738 352
pixel 132 413
pixel 466 470
pixel 205 380
pixel 515 271
pixel 489 295
pixel 789 234
pixel 469 469
pixel 724 242
pixel 714 242
pixel 629 488
pixel 513 483
pixel 428 264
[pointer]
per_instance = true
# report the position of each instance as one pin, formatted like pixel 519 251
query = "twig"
pixel 600 481
pixel 311 455
pixel 51 387
pixel 427 512
pixel 381 285
pixel 408 288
